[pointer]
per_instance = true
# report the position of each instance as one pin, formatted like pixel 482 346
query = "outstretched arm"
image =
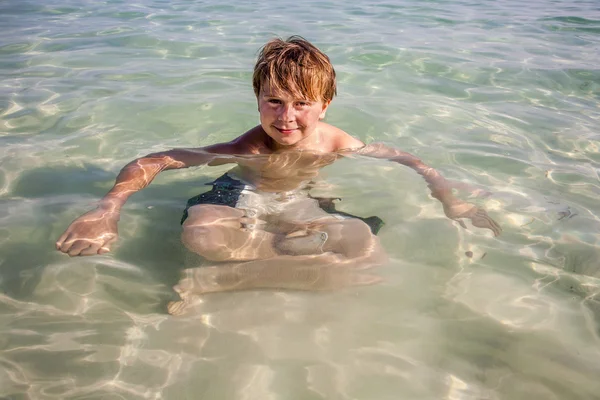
pixel 440 188
pixel 94 231
pixel 140 172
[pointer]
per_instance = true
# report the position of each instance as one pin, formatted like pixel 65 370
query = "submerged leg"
pixel 309 273
pixel 221 233
pixel 339 250
pixel 350 239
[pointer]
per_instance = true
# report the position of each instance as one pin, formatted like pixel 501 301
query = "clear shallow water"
pixel 498 94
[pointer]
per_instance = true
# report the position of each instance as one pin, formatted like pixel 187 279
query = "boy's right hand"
pixel 90 234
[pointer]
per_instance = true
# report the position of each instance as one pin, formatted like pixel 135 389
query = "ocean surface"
pixel 502 95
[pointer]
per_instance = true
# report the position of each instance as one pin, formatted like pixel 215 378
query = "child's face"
pixel 287 119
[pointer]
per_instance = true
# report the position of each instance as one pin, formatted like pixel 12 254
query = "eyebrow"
pixel 306 100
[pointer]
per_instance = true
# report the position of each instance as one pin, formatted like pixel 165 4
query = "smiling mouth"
pixel 285 131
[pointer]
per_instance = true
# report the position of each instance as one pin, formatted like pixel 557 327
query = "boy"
pixel 261 209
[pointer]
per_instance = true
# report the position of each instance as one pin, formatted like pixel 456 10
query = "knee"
pixel 363 234
pixel 206 214
pixel 357 229
pixel 352 238
pixel 199 215
pixel 206 241
pixel 363 244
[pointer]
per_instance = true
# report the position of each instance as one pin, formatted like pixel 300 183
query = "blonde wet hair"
pixel 295 66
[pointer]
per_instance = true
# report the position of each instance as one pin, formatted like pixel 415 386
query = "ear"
pixel 324 109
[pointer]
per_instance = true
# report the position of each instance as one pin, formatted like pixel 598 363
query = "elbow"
pixel 157 162
pixel 409 160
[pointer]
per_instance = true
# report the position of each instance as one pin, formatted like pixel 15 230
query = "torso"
pixel 279 170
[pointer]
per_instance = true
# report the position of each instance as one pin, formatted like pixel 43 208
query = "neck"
pixel 312 142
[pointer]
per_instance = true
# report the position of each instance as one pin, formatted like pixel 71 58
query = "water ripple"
pixel 496 95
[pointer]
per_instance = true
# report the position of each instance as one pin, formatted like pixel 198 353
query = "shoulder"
pixel 339 139
pixel 251 142
pixel 254 141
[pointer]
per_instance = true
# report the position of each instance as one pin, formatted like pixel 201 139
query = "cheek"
pixel 265 112
pixel 310 117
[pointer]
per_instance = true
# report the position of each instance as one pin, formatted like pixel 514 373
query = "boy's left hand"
pixel 478 216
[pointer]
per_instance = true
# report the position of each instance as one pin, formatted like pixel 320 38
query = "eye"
pixel 274 101
pixel 303 103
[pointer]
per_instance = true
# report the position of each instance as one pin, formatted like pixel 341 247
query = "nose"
pixel 287 112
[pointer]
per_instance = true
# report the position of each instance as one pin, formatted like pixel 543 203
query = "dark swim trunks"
pixel 226 191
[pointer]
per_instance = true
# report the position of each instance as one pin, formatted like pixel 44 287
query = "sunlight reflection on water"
pixel 496 95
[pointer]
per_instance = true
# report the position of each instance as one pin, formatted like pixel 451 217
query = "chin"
pixel 287 141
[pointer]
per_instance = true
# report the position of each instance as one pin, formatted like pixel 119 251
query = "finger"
pixel 61 239
pixel 90 251
pixel 77 247
pixel 492 225
pixel 498 228
pixel 105 248
pixel 483 220
pixel 177 307
pixel 67 243
pixel 488 223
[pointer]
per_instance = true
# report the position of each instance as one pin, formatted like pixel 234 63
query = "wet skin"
pixel 282 154
pixel 287 149
pixel 95 231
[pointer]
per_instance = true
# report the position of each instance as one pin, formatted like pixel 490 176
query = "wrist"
pixel 444 194
pixel 110 205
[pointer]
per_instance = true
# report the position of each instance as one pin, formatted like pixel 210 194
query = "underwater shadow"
pixel 48 198
pixel 149 230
